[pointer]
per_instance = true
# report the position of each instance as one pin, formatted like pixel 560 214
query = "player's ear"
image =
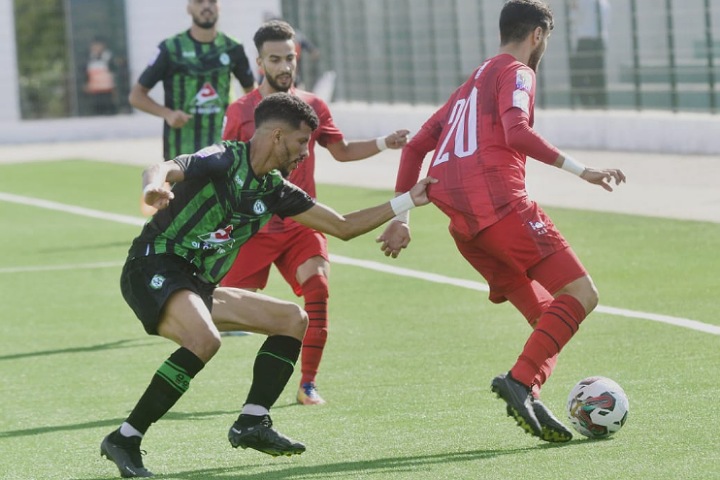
pixel 277 134
pixel 538 34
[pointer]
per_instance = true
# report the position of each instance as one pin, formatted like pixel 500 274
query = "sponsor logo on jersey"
pixel 206 94
pixel 523 80
pixel 218 240
pixel 188 54
pixel 259 207
pixel 521 100
pixel 156 282
pixel 239 181
pixel 538 227
pixel 225 59
pixel 206 101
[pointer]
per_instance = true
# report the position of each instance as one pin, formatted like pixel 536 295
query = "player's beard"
pixel 275 85
pixel 535 57
pixel 205 24
pixel 285 169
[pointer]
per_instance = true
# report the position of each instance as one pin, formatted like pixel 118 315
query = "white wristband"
pixel 402 204
pixel 573 166
pixel 403 217
pixel 381 144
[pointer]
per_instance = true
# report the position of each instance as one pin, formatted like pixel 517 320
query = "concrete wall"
pixel 618 131
pixel 151 21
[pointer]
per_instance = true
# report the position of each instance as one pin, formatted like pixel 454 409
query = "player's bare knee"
pixel 297 322
pixel 590 296
pixel 204 346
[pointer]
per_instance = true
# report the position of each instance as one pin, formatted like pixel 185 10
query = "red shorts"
pixel 287 250
pixel 524 245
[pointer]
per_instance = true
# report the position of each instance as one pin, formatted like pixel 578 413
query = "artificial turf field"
pixel 408 364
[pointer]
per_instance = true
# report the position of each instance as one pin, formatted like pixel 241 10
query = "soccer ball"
pixel 597 407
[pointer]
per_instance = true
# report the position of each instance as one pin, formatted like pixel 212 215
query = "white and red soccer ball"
pixel 597 407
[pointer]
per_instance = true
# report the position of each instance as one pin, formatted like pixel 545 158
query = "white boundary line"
pixel 368 264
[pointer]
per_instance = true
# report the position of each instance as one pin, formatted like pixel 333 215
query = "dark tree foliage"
pixel 42 57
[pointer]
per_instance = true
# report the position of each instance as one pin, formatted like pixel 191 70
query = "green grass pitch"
pixel 406 371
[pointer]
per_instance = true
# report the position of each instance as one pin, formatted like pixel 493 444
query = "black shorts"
pixel 147 283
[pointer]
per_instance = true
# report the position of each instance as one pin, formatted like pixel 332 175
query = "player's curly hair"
pixel 286 108
pixel 273 31
pixel 520 17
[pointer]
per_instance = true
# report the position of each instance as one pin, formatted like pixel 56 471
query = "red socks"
pixel 553 331
pixel 315 291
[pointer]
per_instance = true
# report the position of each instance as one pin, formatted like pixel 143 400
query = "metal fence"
pixel 654 54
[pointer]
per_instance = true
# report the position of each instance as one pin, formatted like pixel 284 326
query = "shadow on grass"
pixel 351 469
pixel 111 423
pixel 87 247
pixel 127 343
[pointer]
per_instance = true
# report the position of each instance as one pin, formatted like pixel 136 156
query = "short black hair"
pixel 273 31
pixel 286 108
pixel 520 17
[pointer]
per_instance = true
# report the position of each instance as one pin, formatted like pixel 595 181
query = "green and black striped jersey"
pixel 196 79
pixel 217 207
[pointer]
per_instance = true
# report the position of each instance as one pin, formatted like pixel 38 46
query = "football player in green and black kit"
pixel 195 68
pixel 222 195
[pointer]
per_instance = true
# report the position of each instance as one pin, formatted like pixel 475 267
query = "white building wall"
pixel 9 92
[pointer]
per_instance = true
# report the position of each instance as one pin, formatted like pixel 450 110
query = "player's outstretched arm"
pixel 602 177
pixel 360 149
pixel 156 191
pixel 324 219
pixel 396 235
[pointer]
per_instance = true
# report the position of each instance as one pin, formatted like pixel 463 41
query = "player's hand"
pixel 418 192
pixel 177 118
pixel 395 237
pixel 603 177
pixel 158 197
pixel 397 139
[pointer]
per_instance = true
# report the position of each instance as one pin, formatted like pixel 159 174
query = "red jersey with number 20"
pixel 480 176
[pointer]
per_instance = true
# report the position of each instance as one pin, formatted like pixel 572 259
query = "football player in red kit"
pixel 481 138
pixel 299 253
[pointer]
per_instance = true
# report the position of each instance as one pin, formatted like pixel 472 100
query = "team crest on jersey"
pixel 523 80
pixel 225 59
pixel 218 240
pixel 259 207
pixel 156 282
